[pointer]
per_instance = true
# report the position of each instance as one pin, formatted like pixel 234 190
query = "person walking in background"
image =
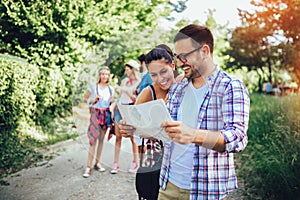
pixel 126 97
pixel 98 96
pixel 269 88
pixel 210 110
pixel 146 79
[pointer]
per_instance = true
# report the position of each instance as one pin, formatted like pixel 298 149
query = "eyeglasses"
pixel 183 56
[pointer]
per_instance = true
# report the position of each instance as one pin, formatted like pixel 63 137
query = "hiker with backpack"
pixel 98 96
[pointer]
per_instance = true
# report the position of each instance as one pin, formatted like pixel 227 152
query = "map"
pixel 147 118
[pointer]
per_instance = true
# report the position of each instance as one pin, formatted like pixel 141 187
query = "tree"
pixel 219 32
pixel 57 35
pixel 280 20
pixel 251 49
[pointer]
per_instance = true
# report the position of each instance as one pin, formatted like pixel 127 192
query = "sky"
pixel 226 10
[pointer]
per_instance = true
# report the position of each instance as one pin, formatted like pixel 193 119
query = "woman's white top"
pixel 125 98
pixel 105 92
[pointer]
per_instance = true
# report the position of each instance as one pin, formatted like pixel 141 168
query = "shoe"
pixel 133 167
pixel 99 168
pixel 87 173
pixel 115 169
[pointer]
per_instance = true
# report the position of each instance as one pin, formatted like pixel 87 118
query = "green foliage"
pixel 249 49
pixel 271 161
pixel 17 96
pixel 220 32
pixel 57 36
pixel 43 33
pixel 17 111
pixel 16 154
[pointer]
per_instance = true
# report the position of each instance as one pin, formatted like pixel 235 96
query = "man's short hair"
pixel 199 34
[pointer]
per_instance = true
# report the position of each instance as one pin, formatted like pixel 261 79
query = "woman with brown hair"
pixel 98 96
pixel 160 65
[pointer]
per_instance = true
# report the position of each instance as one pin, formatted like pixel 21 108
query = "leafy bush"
pixel 16 153
pixel 271 162
pixel 53 96
pixel 17 110
pixel 17 94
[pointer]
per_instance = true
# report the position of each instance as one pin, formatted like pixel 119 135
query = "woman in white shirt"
pixel 99 97
pixel 126 97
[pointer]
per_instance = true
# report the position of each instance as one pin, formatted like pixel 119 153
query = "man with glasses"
pixel 210 110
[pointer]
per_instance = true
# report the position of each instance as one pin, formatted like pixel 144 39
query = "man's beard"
pixel 194 74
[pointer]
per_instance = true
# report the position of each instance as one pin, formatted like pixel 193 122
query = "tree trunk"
pixel 260 81
pixel 270 70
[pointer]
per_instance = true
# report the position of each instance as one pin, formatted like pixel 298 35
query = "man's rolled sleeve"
pixel 236 105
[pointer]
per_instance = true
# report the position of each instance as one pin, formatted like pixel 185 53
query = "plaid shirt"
pixel 100 118
pixel 225 108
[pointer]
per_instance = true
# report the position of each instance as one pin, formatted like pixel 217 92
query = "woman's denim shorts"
pixel 117 116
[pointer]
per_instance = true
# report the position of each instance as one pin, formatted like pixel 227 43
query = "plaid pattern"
pixel 225 108
pixel 100 118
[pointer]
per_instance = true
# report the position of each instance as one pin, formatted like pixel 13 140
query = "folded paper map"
pixel 147 118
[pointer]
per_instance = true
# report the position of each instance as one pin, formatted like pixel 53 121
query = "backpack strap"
pixel 109 88
pixel 154 98
pixel 142 155
pixel 153 92
pixel 97 89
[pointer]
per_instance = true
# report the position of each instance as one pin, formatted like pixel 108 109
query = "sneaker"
pixel 133 167
pixel 115 169
pixel 87 173
pixel 99 168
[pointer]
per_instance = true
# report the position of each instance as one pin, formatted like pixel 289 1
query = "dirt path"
pixel 61 177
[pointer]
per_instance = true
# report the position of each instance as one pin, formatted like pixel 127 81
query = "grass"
pixel 271 161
